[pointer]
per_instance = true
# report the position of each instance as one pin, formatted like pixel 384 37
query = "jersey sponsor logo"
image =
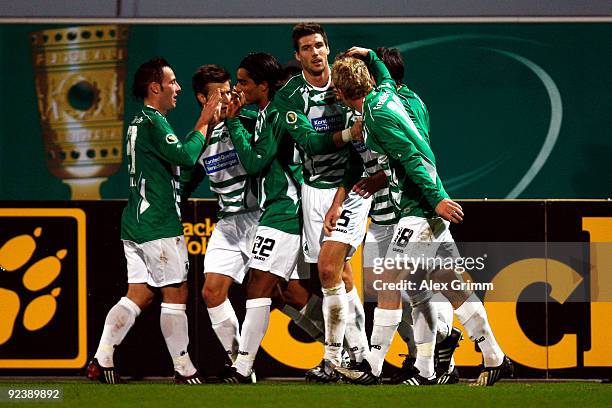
pixel 171 139
pixel 220 161
pixel 291 117
pixel 328 123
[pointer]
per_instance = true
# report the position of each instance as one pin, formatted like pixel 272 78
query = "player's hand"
pixel 237 101
pixel 368 186
pixel 358 52
pixel 357 130
pixel 211 111
pixel 331 217
pixel 450 211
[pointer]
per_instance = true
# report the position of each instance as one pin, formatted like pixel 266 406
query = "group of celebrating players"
pixel 296 182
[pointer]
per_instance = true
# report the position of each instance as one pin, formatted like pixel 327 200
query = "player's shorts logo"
pixel 291 118
pixel 42 288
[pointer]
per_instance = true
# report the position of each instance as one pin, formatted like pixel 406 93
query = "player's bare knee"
pixel 140 294
pixel 261 284
pixel 176 293
pixel 213 295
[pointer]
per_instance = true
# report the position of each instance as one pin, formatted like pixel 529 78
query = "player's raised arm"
pixel 304 134
pixel 257 155
pixel 170 148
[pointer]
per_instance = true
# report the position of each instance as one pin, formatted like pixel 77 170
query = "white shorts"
pixel 417 236
pixel 276 252
pixel 229 247
pixel 350 228
pixel 376 243
pixel 158 263
pixel 428 240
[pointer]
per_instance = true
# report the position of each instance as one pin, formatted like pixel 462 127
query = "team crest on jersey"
pixel 224 136
pixel 291 117
pixel 171 139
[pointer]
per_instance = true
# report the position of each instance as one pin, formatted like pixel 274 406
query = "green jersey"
pixel 272 157
pixel 383 211
pixel 155 154
pixel 235 189
pixel 416 110
pixel 414 184
pixel 311 115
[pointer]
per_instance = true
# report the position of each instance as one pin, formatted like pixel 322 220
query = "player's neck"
pixel 153 104
pixel 320 81
pixel 263 102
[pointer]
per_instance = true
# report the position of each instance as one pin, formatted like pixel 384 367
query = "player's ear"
pixel 297 56
pixel 154 87
pixel 201 98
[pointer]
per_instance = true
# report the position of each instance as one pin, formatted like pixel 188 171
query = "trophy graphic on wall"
pixel 80 77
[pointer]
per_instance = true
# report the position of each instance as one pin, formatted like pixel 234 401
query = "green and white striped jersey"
pixel 155 154
pixel 312 115
pixel 382 210
pixel 235 190
pixel 414 184
pixel 272 157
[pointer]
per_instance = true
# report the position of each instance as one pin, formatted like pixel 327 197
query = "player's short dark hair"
pixel 208 74
pixel 263 67
pixel 305 29
pixel 393 61
pixel 150 71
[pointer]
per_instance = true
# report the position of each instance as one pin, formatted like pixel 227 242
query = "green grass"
pixel 298 395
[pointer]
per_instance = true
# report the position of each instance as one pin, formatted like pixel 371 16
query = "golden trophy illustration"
pixel 80 77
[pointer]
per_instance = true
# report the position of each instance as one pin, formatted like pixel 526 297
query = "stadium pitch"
pixel 297 395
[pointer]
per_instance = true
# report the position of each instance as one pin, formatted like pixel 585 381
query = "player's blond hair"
pixel 351 76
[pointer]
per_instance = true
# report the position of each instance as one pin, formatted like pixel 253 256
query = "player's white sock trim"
pixel 385 324
pixel 175 308
pixel 225 325
pixel 173 323
pixel 127 302
pixel 254 328
pixel 250 303
pixel 118 322
pixel 335 311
